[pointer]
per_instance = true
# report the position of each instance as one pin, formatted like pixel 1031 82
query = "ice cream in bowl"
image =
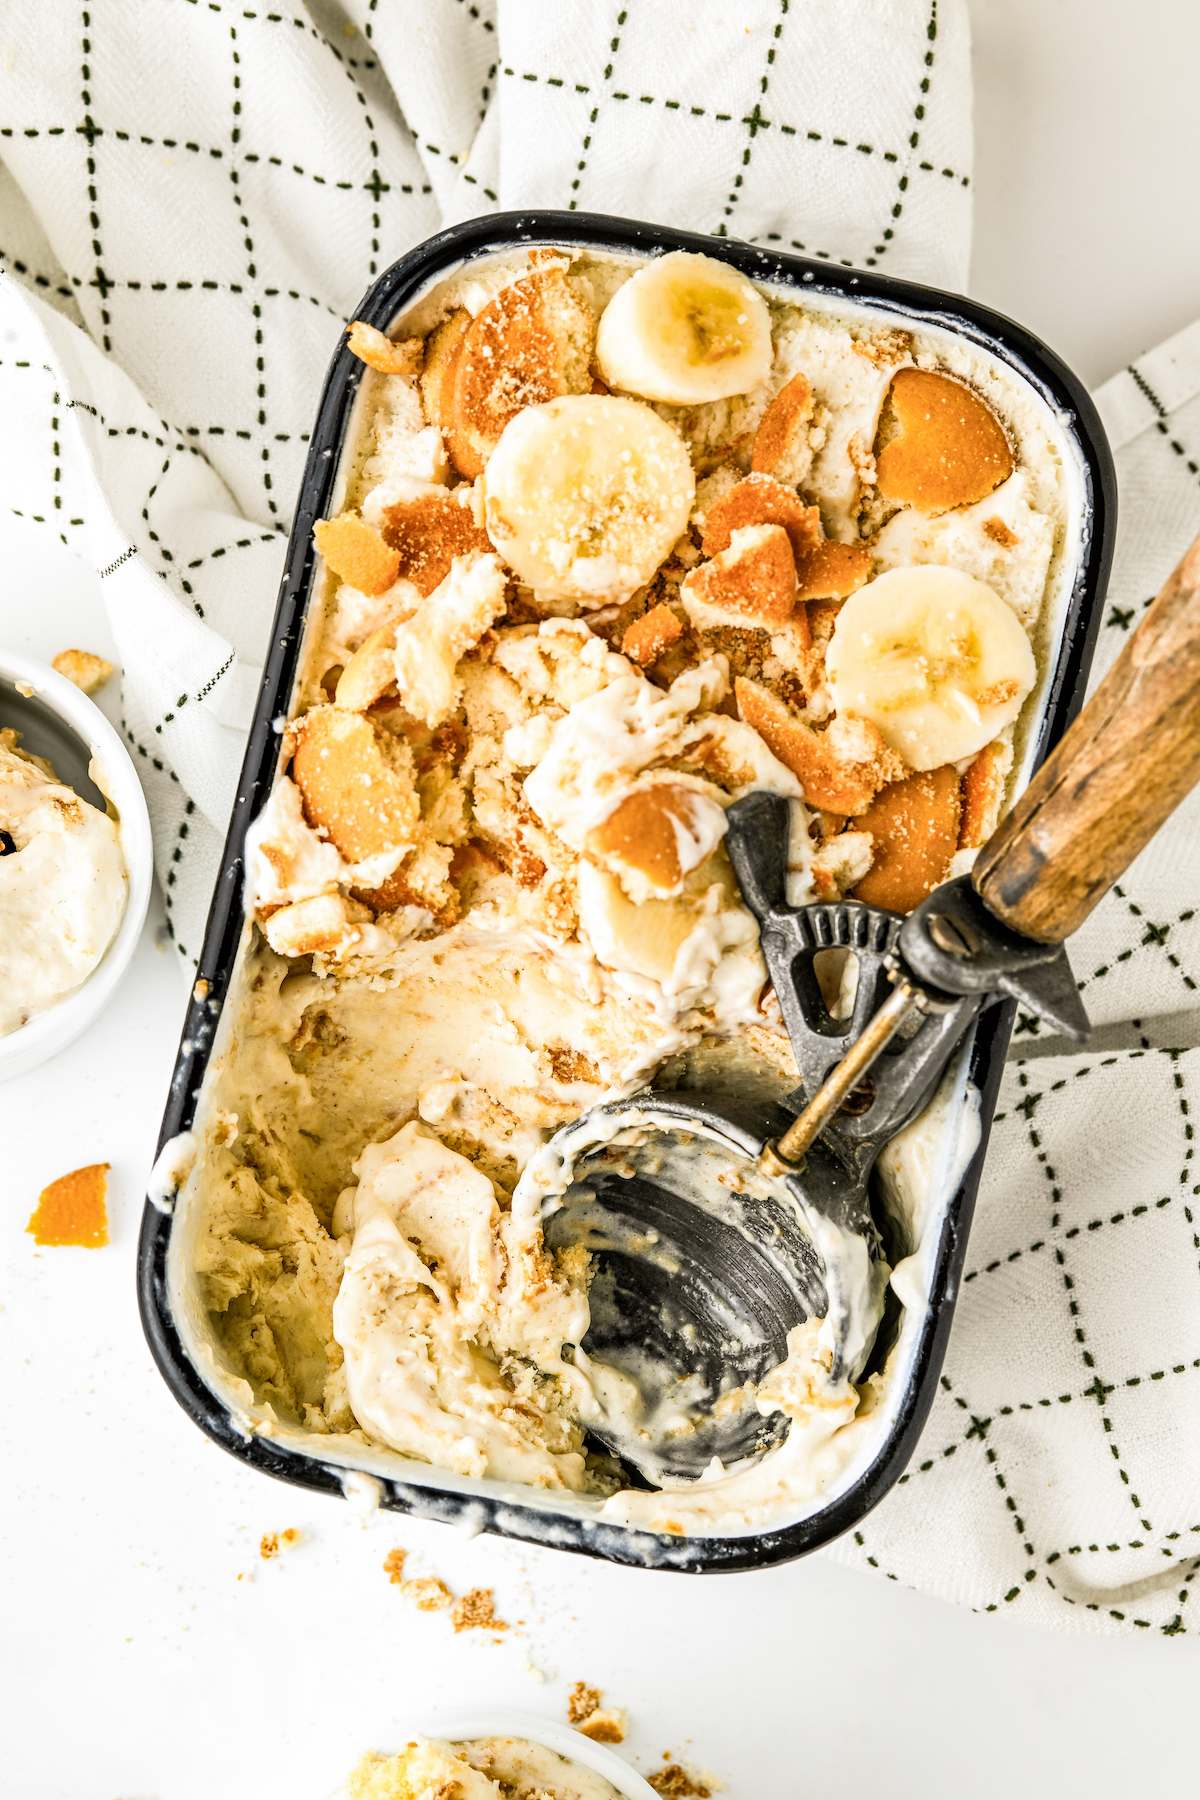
pixel 494 1755
pixel 75 861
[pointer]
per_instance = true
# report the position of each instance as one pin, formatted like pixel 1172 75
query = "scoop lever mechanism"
pixel 950 948
pixel 1121 769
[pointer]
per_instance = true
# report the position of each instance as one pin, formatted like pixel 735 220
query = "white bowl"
pixel 81 727
pixel 460 1728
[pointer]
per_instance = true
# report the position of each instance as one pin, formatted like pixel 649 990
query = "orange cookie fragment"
pixel 428 1593
pixel 644 833
pixel 841 769
pixel 781 445
pixel 1000 533
pixel 914 824
pixel 272 1542
pixel 950 448
pixel 72 1210
pixel 475 1611
pixel 380 352
pixel 404 887
pixel 761 500
pixel 677 1783
pixel 86 670
pixel 582 1702
pixel 607 1725
pixel 351 791
pixel 528 345
pixel 840 861
pixel 441 357
pixel 428 533
pixel 648 637
pixel 832 571
pixel 357 553
pixel 325 925
pixel 754 579
pixel 982 794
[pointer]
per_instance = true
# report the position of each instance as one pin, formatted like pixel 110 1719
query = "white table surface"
pixel 150 1654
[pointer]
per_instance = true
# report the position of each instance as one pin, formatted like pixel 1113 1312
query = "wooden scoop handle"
pixel 1121 769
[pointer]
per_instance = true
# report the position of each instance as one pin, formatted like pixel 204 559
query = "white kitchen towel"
pixel 1059 1475
pixel 192 201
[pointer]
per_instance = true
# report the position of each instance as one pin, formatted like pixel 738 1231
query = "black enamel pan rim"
pixel 396 289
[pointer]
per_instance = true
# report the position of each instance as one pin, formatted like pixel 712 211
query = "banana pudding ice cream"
pixel 618 544
pixel 62 886
pixel 492 1768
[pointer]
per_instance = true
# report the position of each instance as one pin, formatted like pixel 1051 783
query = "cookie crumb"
pixel 393 1565
pixel 609 1726
pixel 427 1593
pixel 272 1542
pixel 677 1783
pixel 86 671
pixel 604 1725
pixel 582 1702
pixel 477 1610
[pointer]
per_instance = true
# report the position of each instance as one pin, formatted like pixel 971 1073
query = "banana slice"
pixel 685 329
pixel 934 659
pixel 585 495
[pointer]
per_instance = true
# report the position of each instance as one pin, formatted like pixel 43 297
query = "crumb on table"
pixel 88 672
pixel 582 1702
pixel 607 1725
pixel 677 1783
pixel 72 1210
pixel 272 1542
pixel 393 1565
pixel 427 1593
pixel 477 1609
pixel 604 1725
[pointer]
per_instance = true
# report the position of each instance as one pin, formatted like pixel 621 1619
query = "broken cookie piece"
pixel 754 580
pixel 651 636
pixel 356 553
pixel 761 500
pixel 914 825
pixel 1000 533
pixel 677 1783
pixel 832 571
pixel 476 1611
pixel 356 784
pixel 841 769
pixel 428 532
pixel 428 1593
pixel 379 352
pixel 530 344
pixel 781 443
pixel 983 788
pixel 86 671
pixel 656 836
pixel 604 1725
pixel 72 1210
pixel 949 450
pixel 326 925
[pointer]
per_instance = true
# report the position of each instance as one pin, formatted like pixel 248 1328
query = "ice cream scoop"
pixel 699 1288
